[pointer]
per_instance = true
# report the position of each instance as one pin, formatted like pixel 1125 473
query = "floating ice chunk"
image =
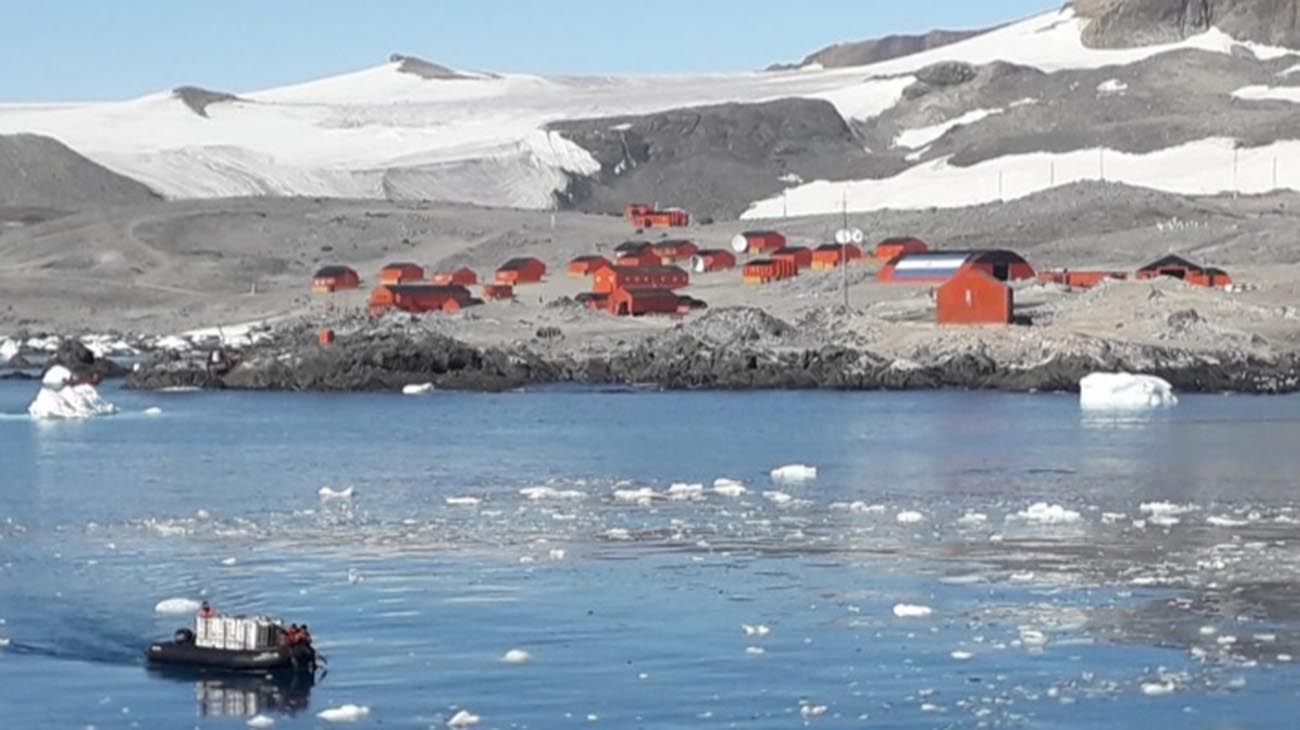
pixel 1285 658
pixel 354 576
pixel 808 711
pixel 176 606
pixel 617 533
pixel 8 349
pixel 1042 513
pixel 462 501
pixel 794 473
pixel 538 494
pixel 1224 521
pixel 961 656
pixel 260 721
pixel 1032 638
pixel 1165 508
pixel 4 642
pixel 344 713
pixel 464 718
pixel 230 561
pixel 1157 689
pixel 326 493
pixel 1226 640
pixel 58 400
pixel 173 343
pixel 909 517
pixel 642 495
pixel 516 656
pixel 417 389
pixel 686 492
pixel 778 497
pixel 1208 631
pixel 729 487
pixel 1125 391
pixel 1164 520
pixel 972 519
pixel 755 630
pixel 556 554
pixel 755 650
pixel 912 610
pixel 156 411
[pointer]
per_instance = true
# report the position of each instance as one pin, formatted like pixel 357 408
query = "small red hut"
pixel 829 255
pixel 757 242
pixel 402 272
pixel 464 276
pixel 894 247
pixel 521 270
pixel 329 279
pixel 799 256
pixel 972 296
pixel 608 278
pixel 712 259
pixel 586 265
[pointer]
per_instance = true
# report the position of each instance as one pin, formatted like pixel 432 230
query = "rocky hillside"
pixel 1123 23
pixel 39 172
pixel 860 53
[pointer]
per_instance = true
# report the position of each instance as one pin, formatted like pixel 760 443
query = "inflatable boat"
pixel 234 644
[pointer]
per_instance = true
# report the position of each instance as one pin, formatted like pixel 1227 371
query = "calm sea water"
pixel 1079 571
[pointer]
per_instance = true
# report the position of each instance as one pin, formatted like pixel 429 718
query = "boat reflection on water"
pixel 245 695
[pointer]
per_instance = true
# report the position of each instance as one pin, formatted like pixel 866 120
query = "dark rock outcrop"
pixel 199 99
pixel 78 358
pixel 1121 23
pixel 425 69
pixel 40 172
pixel 860 53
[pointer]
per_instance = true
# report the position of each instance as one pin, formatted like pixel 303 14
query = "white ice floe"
pixel 462 501
pixel 909 517
pixel 516 656
pixel 686 492
pixel 556 554
pixel 463 718
pixel 1111 87
pixel 153 411
pixel 1225 521
pixel 809 711
pixel 1166 508
pixel 8 349
pixel 729 487
pixel 354 576
pixel 229 561
pixel 540 494
pixel 961 655
pixel 619 534
pixel 641 495
pixel 1042 513
pixel 1125 391
pixel 260 721
pixel 59 399
pixel 1157 689
pixel 4 642
pixel 176 606
pixel 1032 638
pixel 344 713
pixel 776 497
pixel 912 610
pixel 755 629
pixel 417 389
pixel 972 519
pixel 326 493
pixel 794 473
pixel 755 650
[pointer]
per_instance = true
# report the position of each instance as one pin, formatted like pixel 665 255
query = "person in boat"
pixel 292 635
pixel 206 611
pixel 304 636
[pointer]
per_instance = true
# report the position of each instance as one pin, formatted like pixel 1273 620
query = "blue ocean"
pixel 586 558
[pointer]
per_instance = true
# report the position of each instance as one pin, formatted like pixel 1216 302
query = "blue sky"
pixel 112 49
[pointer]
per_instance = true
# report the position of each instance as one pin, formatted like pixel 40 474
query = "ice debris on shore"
pixel 176 606
pixel 8 349
pixel 1125 391
pixel 729 487
pixel 462 501
pixel 344 713
pixel 327 493
pixel 538 494
pixel 909 517
pixel 58 398
pixel 1042 513
pixel 794 473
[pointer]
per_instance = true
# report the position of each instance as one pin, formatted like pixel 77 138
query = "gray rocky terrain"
pixel 199 99
pixel 1121 23
pixel 42 178
pixel 860 53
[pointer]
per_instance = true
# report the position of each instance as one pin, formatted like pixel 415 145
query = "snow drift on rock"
pixel 1125 391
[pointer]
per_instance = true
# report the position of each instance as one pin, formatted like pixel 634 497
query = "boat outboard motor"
pixel 183 636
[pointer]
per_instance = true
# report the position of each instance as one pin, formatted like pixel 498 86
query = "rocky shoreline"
pixel 756 353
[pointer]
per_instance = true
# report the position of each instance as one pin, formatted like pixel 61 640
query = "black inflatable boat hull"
pixel 200 657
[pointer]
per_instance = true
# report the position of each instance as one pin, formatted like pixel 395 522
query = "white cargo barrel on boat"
pixel 740 243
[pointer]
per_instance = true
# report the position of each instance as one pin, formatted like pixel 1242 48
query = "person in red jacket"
pixel 205 610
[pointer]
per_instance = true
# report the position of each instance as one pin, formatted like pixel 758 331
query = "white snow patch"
pixel 8 349
pixel 462 501
pixel 909 517
pixel 327 494
pixel 417 389
pixel 153 411
pixel 1125 391
pixel 729 487
pixel 911 610
pixel 516 656
pixel 685 492
pixel 794 473
pixel 755 629
pixel 923 136
pixel 556 554
pixel 463 718
pixel 1224 521
pixel 176 606
pixel 962 656
pixel 344 713
pixel 540 494
pixel 1042 513
pixel 260 721
pixel 1111 87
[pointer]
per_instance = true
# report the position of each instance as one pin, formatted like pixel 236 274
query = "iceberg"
pixel 417 389
pixel 61 398
pixel 345 713
pixel 793 473
pixel 1125 391
pixel 176 606
pixel 8 348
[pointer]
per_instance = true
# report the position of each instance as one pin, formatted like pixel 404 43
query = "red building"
pixel 586 265
pixel 669 218
pixel 712 259
pixel 1178 267
pixel 1079 278
pixel 464 276
pixel 972 296
pixel 934 267
pixel 498 292
pixel 894 247
pixel 800 256
pixel 609 278
pixel 329 279
pixel 400 273
pixel 643 258
pixel 522 270
pixel 829 255
pixel 757 242
pixel 673 250
pixel 762 271
pixel 638 301
pixel 418 298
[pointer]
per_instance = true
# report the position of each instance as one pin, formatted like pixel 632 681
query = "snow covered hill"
pixel 1009 114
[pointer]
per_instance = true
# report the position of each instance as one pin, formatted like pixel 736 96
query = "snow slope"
pixel 380 132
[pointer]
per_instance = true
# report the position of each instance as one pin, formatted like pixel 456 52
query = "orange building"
pixel 586 265
pixel 1079 279
pixel 633 210
pixel 1178 267
pixel 712 259
pixel 638 301
pixel 673 250
pixel 498 292
pixel 329 279
pixel 608 278
pixel 521 270
pixel 829 255
pixel 668 218
pixel 934 267
pixel 464 276
pixel 973 297
pixel 800 256
pixel 418 298
pixel 894 247
pixel 762 271
pixel 400 273
pixel 757 242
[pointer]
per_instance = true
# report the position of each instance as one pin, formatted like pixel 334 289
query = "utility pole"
pixel 1275 172
pixel 1051 173
pixel 1000 185
pixel 844 249
pixel 1101 163
pixel 1236 151
pixel 785 205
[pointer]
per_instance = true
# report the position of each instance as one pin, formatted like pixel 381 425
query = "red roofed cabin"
pixel 464 276
pixel 799 256
pixel 587 265
pixel 758 242
pixel 498 292
pixel 401 273
pixel 1180 268
pixel 418 298
pixel 712 259
pixel 329 279
pixel 609 278
pixel 674 250
pixel 761 271
pixel 522 270
pixel 636 301
pixel 828 255
pixel 939 266
pixel 891 248
pixel 972 296
pixel 1079 279
pixel 635 210
pixel 669 218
